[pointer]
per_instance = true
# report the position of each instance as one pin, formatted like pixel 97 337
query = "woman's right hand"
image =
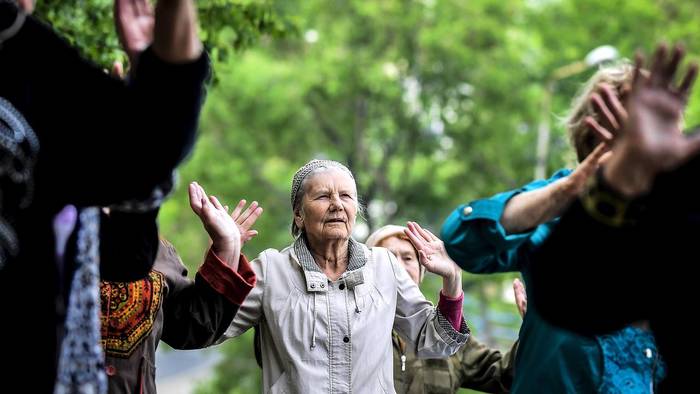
pixel 243 219
pixel 221 227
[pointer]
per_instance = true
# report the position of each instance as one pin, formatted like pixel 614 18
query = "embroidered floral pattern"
pixel 129 310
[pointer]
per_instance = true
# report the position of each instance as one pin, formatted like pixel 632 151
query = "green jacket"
pixel 475 366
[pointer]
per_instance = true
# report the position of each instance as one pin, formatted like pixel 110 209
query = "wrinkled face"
pixel 329 206
pixel 404 251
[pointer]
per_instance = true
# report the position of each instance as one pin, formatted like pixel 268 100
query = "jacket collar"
pixel 315 279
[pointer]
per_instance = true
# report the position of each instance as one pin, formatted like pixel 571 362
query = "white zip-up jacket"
pixel 319 336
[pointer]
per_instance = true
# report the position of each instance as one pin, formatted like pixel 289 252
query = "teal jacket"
pixel 549 359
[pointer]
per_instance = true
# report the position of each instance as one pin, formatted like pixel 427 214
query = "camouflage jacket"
pixel 474 366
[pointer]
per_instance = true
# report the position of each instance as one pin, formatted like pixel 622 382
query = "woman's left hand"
pixel 433 256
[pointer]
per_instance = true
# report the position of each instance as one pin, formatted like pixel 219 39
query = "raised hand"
pixel 610 111
pixel 651 141
pixel 26 5
pixel 175 37
pixel 134 20
pixel 612 117
pixel 245 219
pixel 222 229
pixel 576 182
pixel 433 256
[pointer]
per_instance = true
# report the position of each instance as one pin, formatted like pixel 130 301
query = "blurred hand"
pixel 609 110
pixel 576 182
pixel 520 297
pixel 613 116
pixel 117 70
pixel 651 141
pixel 26 5
pixel 175 38
pixel 134 20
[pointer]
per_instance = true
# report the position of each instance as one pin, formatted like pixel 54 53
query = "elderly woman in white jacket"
pixel 326 305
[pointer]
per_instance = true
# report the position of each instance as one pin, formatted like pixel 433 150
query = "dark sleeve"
pixel 103 140
pixel 198 312
pixel 485 369
pixel 128 245
pixel 592 278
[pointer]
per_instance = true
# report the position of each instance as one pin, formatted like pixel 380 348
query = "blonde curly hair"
pixel 582 138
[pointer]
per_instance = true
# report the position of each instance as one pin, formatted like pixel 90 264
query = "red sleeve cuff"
pixel 235 286
pixel 451 308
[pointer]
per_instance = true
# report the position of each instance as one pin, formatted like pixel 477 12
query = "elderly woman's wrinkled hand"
pixel 433 256
pixel 221 227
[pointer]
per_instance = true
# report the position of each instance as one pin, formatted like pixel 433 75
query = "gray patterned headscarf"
pixel 304 172
pixel 356 256
pixel 307 169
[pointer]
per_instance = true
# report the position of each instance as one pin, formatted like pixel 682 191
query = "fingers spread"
pixel 688 81
pixel 252 218
pixel 237 211
pixel 612 101
pixel 606 115
pixel 599 130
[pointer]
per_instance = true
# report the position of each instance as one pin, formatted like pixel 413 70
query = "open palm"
pixel 431 251
pixel 134 21
pixel 220 226
pixel 242 219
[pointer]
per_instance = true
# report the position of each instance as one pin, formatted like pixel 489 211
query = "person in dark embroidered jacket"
pixel 166 305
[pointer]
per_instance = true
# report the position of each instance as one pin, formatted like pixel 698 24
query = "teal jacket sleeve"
pixel 476 240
